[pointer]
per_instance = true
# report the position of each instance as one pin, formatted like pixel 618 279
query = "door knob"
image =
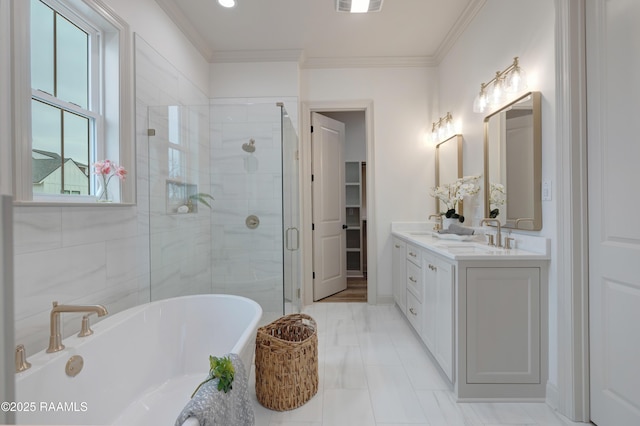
pixel 344 226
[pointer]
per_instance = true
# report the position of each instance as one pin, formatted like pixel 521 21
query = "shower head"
pixel 249 147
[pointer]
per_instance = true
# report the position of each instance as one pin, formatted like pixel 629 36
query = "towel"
pixel 213 407
pixel 457 229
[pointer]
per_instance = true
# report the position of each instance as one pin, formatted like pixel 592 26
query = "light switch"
pixel 546 190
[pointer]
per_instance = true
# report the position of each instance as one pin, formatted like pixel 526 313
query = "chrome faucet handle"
pixel 490 240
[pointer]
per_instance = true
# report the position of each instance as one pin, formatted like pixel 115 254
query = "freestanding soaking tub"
pixel 140 366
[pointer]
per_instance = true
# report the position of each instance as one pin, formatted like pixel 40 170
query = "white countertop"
pixel 526 247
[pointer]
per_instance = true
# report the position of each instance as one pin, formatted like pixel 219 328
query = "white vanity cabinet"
pixel 438 311
pixel 502 335
pixel 480 311
pixel 399 273
pixel 414 287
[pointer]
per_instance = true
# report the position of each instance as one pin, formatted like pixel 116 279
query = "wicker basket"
pixel 287 362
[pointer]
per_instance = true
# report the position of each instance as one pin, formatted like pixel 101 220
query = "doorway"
pixel 357 116
pixel 355 204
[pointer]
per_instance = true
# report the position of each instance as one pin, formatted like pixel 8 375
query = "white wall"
pixel 150 22
pixel 266 80
pixel 501 30
pixel 404 159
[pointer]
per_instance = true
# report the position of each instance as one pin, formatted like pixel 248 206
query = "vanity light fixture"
pixel 510 80
pixel 358 6
pixel 227 3
pixel 443 128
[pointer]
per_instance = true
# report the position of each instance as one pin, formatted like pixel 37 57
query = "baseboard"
pixel 552 396
pixel 385 300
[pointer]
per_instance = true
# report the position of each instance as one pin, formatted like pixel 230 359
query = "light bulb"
pixel 359 6
pixel 480 102
pixel 227 3
pixel 517 80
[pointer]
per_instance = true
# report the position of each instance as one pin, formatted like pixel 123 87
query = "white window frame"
pixel 114 132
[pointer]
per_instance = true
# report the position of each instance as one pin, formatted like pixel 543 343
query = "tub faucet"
pixel 498 233
pixel 55 340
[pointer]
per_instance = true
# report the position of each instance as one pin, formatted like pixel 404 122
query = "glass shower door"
pixel 180 201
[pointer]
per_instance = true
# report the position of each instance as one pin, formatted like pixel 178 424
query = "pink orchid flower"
pixel 120 172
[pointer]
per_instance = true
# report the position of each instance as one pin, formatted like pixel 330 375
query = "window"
pixel 65 107
pixel 78 100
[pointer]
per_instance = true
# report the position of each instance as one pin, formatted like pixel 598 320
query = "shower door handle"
pixel 287 238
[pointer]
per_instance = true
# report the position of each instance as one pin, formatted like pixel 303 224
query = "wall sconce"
pixel 443 128
pixel 511 80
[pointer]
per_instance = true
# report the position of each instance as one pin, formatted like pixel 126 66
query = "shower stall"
pixel 223 200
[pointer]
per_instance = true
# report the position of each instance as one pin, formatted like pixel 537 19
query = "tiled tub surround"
pixel 140 365
pixel 76 255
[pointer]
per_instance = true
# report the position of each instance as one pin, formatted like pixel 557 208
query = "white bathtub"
pixel 140 365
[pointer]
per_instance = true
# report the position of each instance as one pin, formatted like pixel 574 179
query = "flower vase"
pixel 448 221
pixel 103 195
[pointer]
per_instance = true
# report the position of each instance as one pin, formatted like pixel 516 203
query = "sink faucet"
pixel 498 233
pixel 55 340
pixel 438 219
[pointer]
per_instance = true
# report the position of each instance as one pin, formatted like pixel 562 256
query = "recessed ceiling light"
pixel 358 6
pixel 227 3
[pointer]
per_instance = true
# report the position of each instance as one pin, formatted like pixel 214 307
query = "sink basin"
pixel 421 233
pixel 466 248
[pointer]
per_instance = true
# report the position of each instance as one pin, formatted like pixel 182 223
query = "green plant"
pixel 222 369
pixel 201 197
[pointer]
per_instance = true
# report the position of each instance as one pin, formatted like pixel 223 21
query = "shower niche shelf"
pixel 180 195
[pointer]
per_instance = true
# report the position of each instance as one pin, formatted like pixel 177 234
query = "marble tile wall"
pixel 247 261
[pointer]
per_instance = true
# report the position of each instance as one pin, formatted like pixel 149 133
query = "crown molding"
pixel 460 26
pixel 278 55
pixel 187 28
pixel 369 62
pixel 297 55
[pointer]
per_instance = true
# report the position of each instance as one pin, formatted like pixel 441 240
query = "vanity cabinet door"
pixel 444 316
pixel 429 301
pixel 399 261
pixel 503 325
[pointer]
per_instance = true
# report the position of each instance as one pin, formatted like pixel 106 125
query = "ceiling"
pixel 404 32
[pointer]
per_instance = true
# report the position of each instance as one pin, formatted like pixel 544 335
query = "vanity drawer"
pixel 414 280
pixel 413 254
pixel 414 312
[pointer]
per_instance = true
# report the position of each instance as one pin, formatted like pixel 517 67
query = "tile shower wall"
pixel 247 261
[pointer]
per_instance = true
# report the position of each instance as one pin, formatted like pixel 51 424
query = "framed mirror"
pixel 513 164
pixel 448 165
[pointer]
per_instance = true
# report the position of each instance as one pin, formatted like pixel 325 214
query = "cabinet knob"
pixel 413 312
pixel 413 280
pixel 397 245
pixel 433 268
pixel 412 254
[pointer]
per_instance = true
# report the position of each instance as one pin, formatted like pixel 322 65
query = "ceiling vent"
pixel 359 6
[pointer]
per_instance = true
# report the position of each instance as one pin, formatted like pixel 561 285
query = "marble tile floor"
pixel 374 371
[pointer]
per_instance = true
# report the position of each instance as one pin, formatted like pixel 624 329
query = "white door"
pixel 613 109
pixel 329 235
